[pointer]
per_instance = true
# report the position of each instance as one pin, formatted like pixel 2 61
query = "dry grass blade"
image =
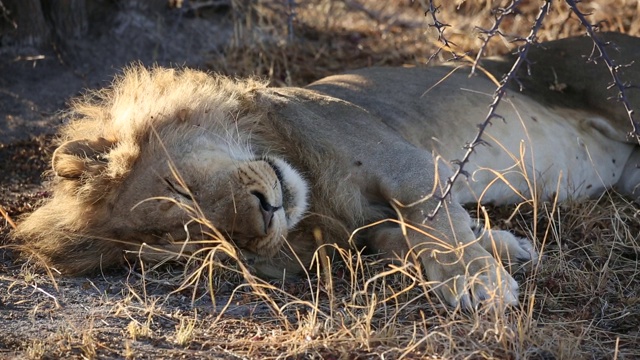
pixel 7 218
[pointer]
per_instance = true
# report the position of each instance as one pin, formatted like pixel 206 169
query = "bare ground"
pixel 582 303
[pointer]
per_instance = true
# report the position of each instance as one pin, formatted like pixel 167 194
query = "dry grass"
pixel 582 302
pixel 331 36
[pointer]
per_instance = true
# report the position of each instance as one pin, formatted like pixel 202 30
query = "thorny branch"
pixel 497 97
pixel 440 27
pixel 613 68
pixel 501 14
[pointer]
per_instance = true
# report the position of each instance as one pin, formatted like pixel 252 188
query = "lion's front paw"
pixel 492 286
pixel 517 254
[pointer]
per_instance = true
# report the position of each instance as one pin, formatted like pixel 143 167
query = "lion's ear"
pixel 74 158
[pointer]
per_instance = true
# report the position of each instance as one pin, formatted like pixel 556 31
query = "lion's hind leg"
pixel 516 253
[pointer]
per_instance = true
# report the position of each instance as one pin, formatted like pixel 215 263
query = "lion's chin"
pixel 266 246
pixel 271 267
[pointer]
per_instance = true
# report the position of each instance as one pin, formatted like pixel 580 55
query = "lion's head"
pixel 143 161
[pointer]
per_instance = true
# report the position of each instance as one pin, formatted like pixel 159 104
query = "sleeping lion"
pixel 354 159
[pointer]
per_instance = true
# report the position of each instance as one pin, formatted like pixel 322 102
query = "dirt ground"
pixel 585 304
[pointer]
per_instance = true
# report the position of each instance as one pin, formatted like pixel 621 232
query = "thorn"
pixel 498 116
pixel 481 142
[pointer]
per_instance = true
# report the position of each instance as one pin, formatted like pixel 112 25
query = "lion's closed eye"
pixel 177 189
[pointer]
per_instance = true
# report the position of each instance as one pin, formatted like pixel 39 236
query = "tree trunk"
pixel 69 18
pixel 31 25
pixel 23 25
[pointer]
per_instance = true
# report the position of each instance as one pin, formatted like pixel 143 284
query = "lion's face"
pixel 176 191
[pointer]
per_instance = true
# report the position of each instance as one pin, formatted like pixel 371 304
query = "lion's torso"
pixel 535 147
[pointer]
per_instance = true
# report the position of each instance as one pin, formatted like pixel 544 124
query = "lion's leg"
pixel 462 271
pixel 453 252
pixel 455 262
pixel 517 254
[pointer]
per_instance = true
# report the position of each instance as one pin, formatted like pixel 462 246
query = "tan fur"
pixel 145 159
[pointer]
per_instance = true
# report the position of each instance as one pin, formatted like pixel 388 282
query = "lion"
pixel 358 159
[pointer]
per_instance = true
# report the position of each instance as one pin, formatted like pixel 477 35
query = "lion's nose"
pixel 266 209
